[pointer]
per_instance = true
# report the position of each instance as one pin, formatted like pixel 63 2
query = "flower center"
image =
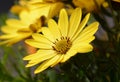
pixel 63 45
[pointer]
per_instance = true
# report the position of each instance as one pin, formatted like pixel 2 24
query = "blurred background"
pixel 5 5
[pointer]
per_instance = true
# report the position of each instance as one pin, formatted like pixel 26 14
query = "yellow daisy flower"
pixel 88 5
pixel 16 30
pixel 61 41
pixel 49 8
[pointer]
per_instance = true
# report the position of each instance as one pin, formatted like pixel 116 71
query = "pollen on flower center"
pixel 63 45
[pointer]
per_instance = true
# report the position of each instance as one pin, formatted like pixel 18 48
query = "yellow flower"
pixel 49 8
pixel 16 30
pixel 88 5
pixel 61 41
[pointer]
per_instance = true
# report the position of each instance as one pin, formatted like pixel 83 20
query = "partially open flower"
pixel 16 30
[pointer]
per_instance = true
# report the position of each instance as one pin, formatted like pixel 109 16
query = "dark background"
pixel 5 5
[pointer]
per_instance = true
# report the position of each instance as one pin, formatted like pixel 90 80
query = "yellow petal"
pixel 46 64
pixel 37 54
pixel 47 33
pixel 83 47
pixel 61 56
pixel 84 40
pixel 40 59
pixel 25 18
pixel 63 22
pixel 16 9
pixel 41 38
pixel 34 55
pixel 75 19
pixel 8 29
pixel 18 38
pixel 54 28
pixel 43 57
pixel 38 44
pixel 8 36
pixel 15 23
pixel 43 11
pixel 24 30
pixel 11 41
pixel 4 42
pixel 89 30
pixel 39 9
pixel 81 26
pixel 68 55
pixel 55 7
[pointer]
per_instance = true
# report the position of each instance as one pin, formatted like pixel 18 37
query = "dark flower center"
pixel 63 45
